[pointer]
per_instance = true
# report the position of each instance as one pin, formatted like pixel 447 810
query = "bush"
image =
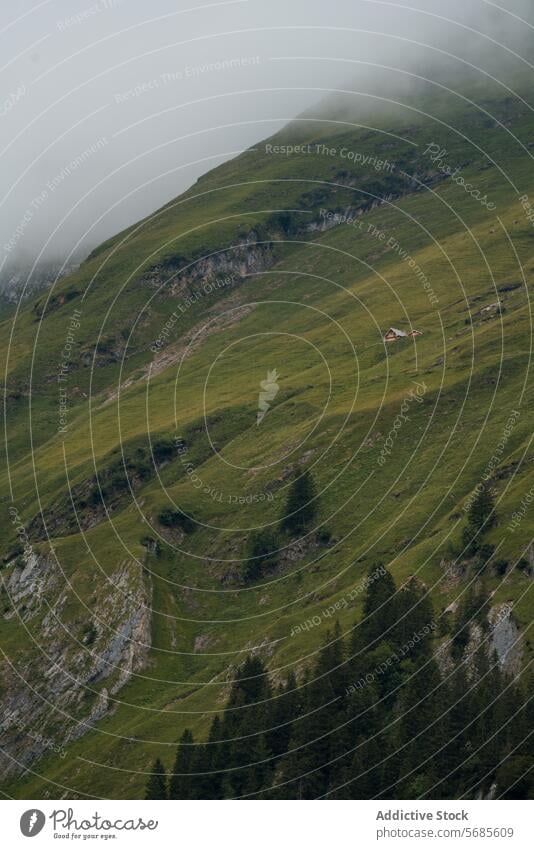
pixel 324 536
pixel 262 555
pixel 95 497
pixel 500 567
pixel 163 449
pixel 524 566
pixel 176 519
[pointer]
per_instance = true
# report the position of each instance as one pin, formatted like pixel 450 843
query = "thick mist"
pixel 112 107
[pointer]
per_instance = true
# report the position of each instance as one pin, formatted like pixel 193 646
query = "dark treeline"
pixel 375 715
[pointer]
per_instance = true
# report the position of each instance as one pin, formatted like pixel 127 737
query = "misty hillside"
pixel 22 282
pixel 162 400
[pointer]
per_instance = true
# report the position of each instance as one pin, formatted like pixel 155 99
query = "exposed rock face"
pixel 174 277
pixel 193 282
pixel 27 584
pixel 56 690
pixel 505 639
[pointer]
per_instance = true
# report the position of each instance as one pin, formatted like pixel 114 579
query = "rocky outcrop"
pixel 79 657
pixel 176 275
pixel 505 638
pixel 499 635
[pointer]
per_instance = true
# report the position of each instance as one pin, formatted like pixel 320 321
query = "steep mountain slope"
pixel 132 392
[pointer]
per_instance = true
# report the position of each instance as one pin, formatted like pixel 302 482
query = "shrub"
pixel 170 518
pixel 262 555
pixel 500 567
pixel 523 565
pixel 324 536
pixel 163 449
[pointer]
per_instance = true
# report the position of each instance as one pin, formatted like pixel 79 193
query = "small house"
pixel 415 333
pixel 491 307
pixel 394 333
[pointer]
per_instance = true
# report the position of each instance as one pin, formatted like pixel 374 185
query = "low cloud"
pixel 113 108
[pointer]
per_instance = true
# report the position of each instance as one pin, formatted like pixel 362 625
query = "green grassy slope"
pixel 313 304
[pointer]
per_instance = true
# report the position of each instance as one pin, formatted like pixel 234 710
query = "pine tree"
pixel 402 731
pixel 180 785
pixel 481 517
pixel 324 714
pixel 493 703
pixel 420 730
pixel 379 609
pixel 301 505
pixel 286 707
pixel 206 765
pixel 414 619
pixel 252 681
pixel 257 775
pixel 370 768
pixel 332 662
pixel 210 762
pixel 482 510
pixel 456 727
pixel 156 787
pixel 515 776
pixel 246 715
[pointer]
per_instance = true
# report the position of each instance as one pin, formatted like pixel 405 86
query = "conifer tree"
pixel 420 730
pixel 414 618
pixel 379 609
pixel 287 706
pixel 301 505
pixel 383 724
pixel 322 717
pixel 251 681
pixel 209 761
pixel 206 765
pixel 370 768
pixel 156 787
pixel 332 661
pixel 481 517
pixel 246 716
pixel 482 510
pixel 180 784
pixel 456 726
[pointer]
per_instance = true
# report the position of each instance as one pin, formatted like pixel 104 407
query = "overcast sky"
pixel 110 108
